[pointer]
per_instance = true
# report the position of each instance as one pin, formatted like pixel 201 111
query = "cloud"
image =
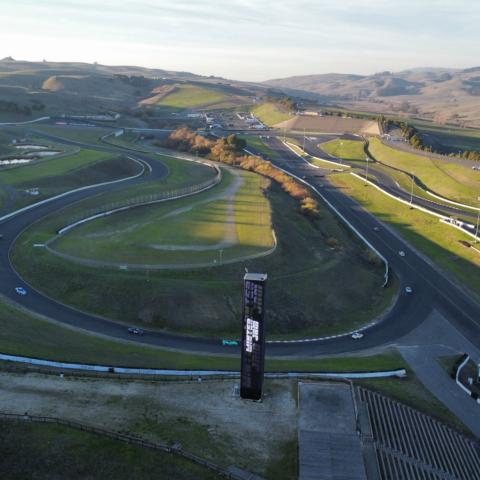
pixel 247 39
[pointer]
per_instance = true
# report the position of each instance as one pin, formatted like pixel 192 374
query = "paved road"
pixel 431 288
pixel 422 347
pixel 389 185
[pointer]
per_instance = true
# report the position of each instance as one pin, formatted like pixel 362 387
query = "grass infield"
pixel 271 113
pixel 453 181
pixel 347 149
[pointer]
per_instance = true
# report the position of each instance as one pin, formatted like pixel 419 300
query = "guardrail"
pixel 443 218
pixel 80 189
pixel 291 147
pixel 457 372
pixel 142 200
pixel 122 437
pixel 40 119
pixel 141 373
pixel 428 192
pixel 344 219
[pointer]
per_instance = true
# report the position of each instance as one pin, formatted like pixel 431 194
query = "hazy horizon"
pixel 245 40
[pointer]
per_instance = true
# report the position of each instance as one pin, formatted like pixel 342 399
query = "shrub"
pixel 227 150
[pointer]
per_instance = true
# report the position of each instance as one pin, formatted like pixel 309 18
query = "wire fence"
pixel 175 449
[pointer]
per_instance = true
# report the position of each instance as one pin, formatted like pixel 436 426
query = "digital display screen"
pixel 253 340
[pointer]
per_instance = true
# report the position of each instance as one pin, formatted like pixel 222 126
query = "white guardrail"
pixel 41 119
pixel 400 372
pixel 64 194
pixel 337 212
pixel 146 200
pixel 457 376
pixel 337 164
pixel 443 218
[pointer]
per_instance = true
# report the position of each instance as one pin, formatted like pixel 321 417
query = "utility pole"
pixel 411 191
pixel 478 221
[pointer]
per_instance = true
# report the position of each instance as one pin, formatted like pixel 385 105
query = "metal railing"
pixel 176 449
pixel 121 205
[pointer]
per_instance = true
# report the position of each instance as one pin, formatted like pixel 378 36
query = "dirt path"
pixel 230 236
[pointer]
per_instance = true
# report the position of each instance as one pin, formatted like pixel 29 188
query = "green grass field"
pixel 26 174
pixel 316 265
pixel 405 182
pixel 270 113
pixel 181 174
pixel 5 141
pixel 453 181
pixel 23 333
pixel 257 143
pixel 128 139
pixel 33 450
pixel 191 96
pixel 80 134
pixel 346 149
pixel 438 241
pixel 57 175
pixel 204 225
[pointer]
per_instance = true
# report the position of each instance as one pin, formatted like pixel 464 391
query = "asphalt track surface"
pixel 431 289
pixel 387 183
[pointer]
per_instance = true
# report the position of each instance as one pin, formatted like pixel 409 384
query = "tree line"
pixel 229 150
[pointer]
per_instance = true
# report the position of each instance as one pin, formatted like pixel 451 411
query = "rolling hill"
pixel 440 94
pixel 28 88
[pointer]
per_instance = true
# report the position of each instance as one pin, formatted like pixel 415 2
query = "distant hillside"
pixel 67 87
pixel 443 95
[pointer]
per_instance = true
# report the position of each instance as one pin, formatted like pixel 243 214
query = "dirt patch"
pixel 330 124
pixel 207 418
pixel 160 93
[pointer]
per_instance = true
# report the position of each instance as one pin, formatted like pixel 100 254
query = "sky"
pixel 246 39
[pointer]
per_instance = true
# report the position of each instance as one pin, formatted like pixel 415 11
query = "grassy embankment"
pixel 187 231
pixel 312 257
pixel 179 174
pixel 56 175
pixel 453 181
pixel 89 135
pixel 259 146
pixel 439 242
pixel 128 140
pixel 271 113
pixel 23 333
pixel 32 450
pixel 5 143
pixel 351 150
pixel 190 96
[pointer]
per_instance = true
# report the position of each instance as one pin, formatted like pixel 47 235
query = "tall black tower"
pixel 253 336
